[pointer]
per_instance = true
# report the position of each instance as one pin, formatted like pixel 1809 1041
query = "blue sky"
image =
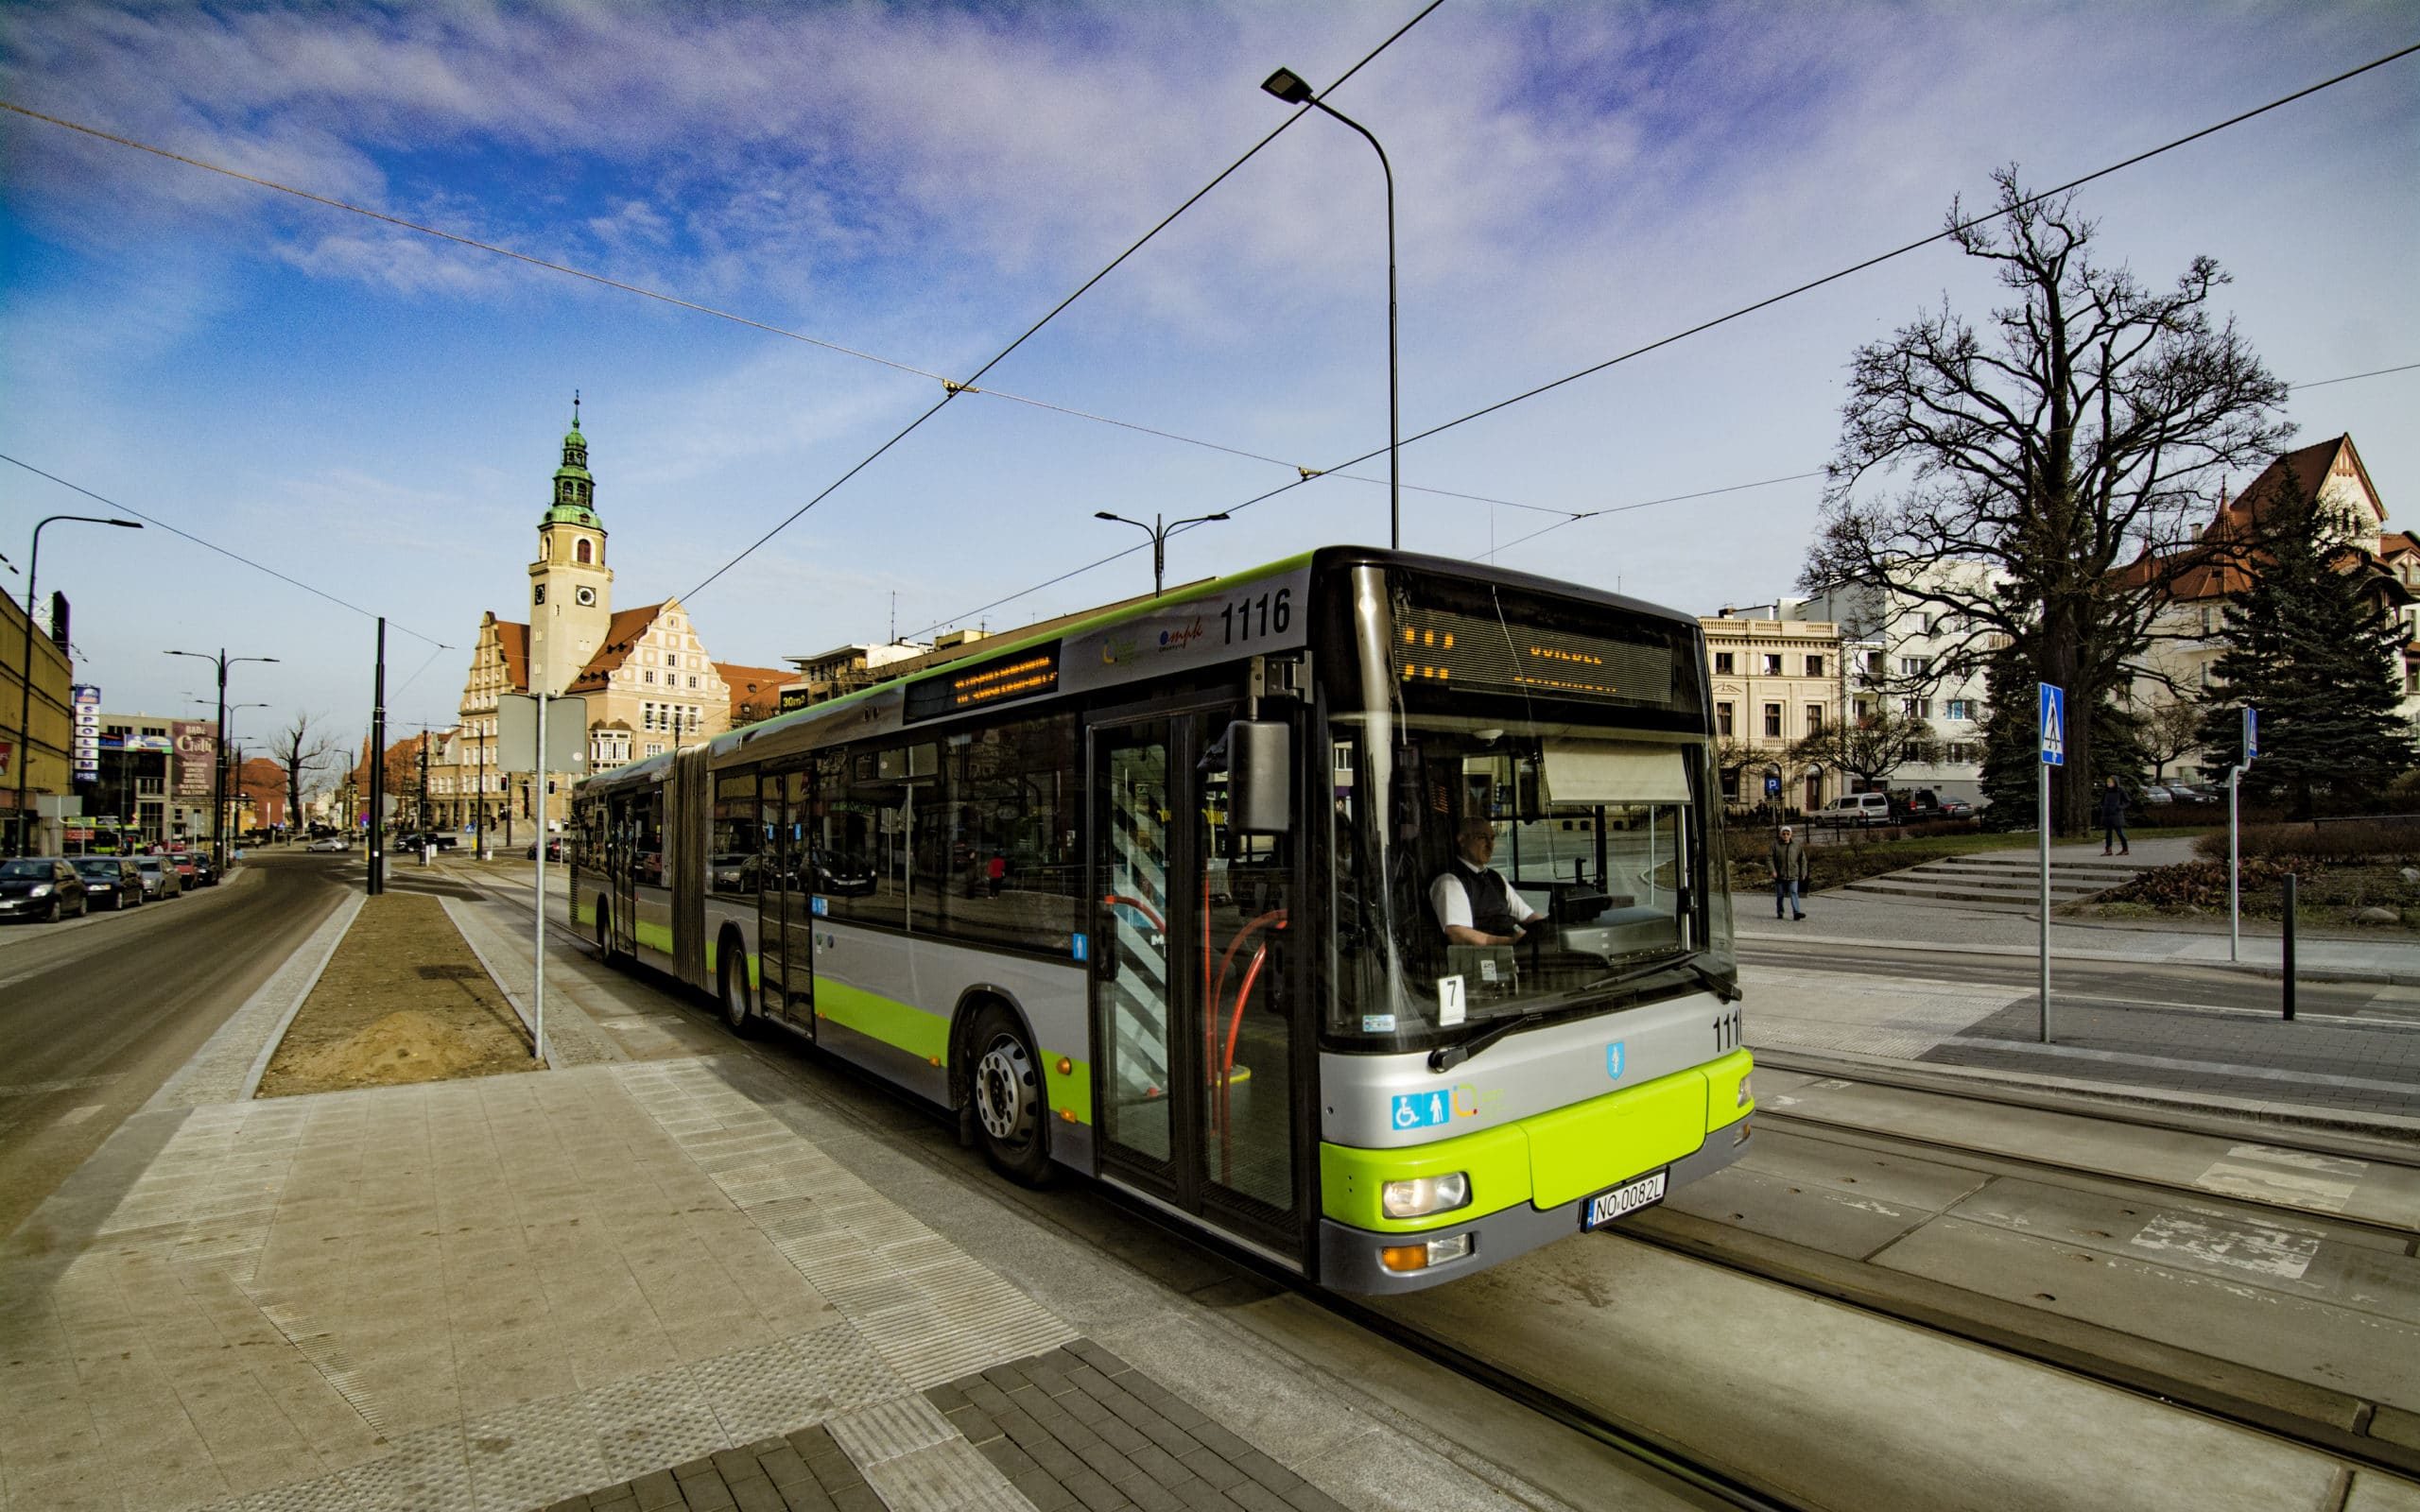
pixel 378 413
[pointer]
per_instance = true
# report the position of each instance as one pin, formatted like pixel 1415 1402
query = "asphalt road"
pixel 96 1013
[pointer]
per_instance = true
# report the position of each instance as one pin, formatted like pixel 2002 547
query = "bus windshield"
pixel 1524 814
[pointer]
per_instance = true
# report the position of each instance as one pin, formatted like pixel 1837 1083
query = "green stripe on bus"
pixel 714 959
pixel 900 1025
pixel 1350 1181
pixel 1070 1093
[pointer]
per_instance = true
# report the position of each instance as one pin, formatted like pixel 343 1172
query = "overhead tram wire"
pixel 1768 301
pixel 951 389
pixel 230 555
pixel 1573 517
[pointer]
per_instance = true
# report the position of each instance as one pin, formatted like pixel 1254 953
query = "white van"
pixel 1853 808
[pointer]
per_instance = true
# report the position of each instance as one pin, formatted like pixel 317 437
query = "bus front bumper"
pixel 1349 1258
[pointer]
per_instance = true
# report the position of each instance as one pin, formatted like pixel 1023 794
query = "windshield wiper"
pixel 1445 1057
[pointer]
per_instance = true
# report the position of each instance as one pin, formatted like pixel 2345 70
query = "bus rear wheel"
pixel 1011 1115
pixel 605 928
pixel 730 970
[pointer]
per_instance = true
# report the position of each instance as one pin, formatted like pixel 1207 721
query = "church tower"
pixel 571 590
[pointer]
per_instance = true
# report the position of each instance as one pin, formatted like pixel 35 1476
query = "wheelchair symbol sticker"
pixel 1422 1111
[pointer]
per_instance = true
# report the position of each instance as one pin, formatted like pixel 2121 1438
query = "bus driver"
pixel 1473 901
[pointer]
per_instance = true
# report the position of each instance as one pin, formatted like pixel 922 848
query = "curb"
pixel 2374 975
pixel 511 998
pixel 344 916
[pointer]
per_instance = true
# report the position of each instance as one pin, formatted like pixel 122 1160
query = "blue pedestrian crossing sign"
pixel 2054 726
pixel 2251 733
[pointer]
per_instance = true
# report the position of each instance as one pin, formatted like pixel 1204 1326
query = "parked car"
pixel 1853 808
pixel 40 887
pixel 838 873
pixel 160 880
pixel 329 843
pixel 733 872
pixel 1957 808
pixel 110 882
pixel 554 849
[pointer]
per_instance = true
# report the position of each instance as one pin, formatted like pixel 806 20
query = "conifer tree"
pixel 2312 645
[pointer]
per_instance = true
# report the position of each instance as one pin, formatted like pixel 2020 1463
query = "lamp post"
pixel 1159 530
pixel 230 759
pixel 1291 87
pixel 26 670
pixel 218 789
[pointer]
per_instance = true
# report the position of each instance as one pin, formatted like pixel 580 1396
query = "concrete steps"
pixel 2001 881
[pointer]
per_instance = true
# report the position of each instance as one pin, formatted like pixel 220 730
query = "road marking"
pixel 36 1089
pixel 2256 1248
pixel 2293 1177
pixel 78 1115
pixel 2214 1068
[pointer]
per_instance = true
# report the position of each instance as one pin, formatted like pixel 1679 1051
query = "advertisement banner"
pixel 197 750
pixel 84 747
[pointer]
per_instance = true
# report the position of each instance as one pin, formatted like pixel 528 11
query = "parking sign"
pixel 2054 726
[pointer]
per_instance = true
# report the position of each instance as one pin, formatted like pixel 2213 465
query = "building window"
pixel 693 680
pixel 1960 709
pixel 1873 664
pixel 1772 663
pixel 1722 720
pixel 1814 667
pixel 1914 667
pixel 651 676
pixel 583 552
pixel 655 748
pixel 1773 720
pixel 1722 663
pixel 1814 718
pixel 1916 708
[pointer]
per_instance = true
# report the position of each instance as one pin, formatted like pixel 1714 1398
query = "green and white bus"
pixel 1157 897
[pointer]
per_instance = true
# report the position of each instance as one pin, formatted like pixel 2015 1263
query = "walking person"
pixel 2113 818
pixel 1789 871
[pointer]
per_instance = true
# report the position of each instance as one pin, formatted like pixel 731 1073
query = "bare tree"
pixel 2169 729
pixel 2074 452
pixel 300 750
pixel 1870 747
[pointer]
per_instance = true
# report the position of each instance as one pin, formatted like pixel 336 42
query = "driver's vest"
pixel 1491 899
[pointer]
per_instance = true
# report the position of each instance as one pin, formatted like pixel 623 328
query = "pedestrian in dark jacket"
pixel 1789 871
pixel 2113 818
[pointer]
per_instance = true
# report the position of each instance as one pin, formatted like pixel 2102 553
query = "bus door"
pixel 1196 1057
pixel 621 870
pixel 787 960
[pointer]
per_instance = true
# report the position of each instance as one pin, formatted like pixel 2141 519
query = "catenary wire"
pixel 1764 304
pixel 1574 516
pixel 951 391
pixel 154 520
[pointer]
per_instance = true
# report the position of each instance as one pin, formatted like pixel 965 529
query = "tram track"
pixel 2335 1422
pixel 2236 1395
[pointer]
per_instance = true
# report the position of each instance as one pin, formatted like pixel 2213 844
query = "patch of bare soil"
pixel 403 1000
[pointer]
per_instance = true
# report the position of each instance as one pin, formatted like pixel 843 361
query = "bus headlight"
pixel 1424 1194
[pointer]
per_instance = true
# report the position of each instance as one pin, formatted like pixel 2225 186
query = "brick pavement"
pixel 484 1296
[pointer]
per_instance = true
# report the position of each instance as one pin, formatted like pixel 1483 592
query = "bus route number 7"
pixel 1276 611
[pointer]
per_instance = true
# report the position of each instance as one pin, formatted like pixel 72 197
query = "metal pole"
pixel 1158 553
pixel 479 799
pixel 218 798
pixel 538 955
pixel 25 698
pixel 2234 871
pixel 1394 387
pixel 379 770
pixel 2290 946
pixel 2044 812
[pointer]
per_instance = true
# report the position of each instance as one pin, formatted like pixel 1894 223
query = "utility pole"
pixel 379 770
pixel 423 786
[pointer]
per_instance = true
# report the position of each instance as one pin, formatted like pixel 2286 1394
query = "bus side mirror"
pixel 1260 777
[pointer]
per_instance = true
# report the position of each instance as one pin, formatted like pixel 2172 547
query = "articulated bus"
pixel 1160 899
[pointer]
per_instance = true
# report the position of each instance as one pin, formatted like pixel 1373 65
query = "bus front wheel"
pixel 1011 1111
pixel 605 928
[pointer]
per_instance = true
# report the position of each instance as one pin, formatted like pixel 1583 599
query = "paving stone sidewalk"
pixel 634 1283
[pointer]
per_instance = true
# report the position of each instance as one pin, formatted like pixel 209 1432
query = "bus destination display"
pixel 1027 674
pixel 1435 645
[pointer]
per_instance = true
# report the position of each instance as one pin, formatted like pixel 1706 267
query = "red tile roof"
pixel 755 691
pixel 621 636
pixel 513 637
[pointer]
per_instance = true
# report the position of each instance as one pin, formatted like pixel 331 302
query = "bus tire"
pixel 605 929
pixel 731 985
pixel 1011 1110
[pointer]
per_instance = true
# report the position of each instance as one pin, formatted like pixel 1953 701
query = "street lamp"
pixel 1291 87
pixel 25 679
pixel 1159 530
pixel 229 758
pixel 218 787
